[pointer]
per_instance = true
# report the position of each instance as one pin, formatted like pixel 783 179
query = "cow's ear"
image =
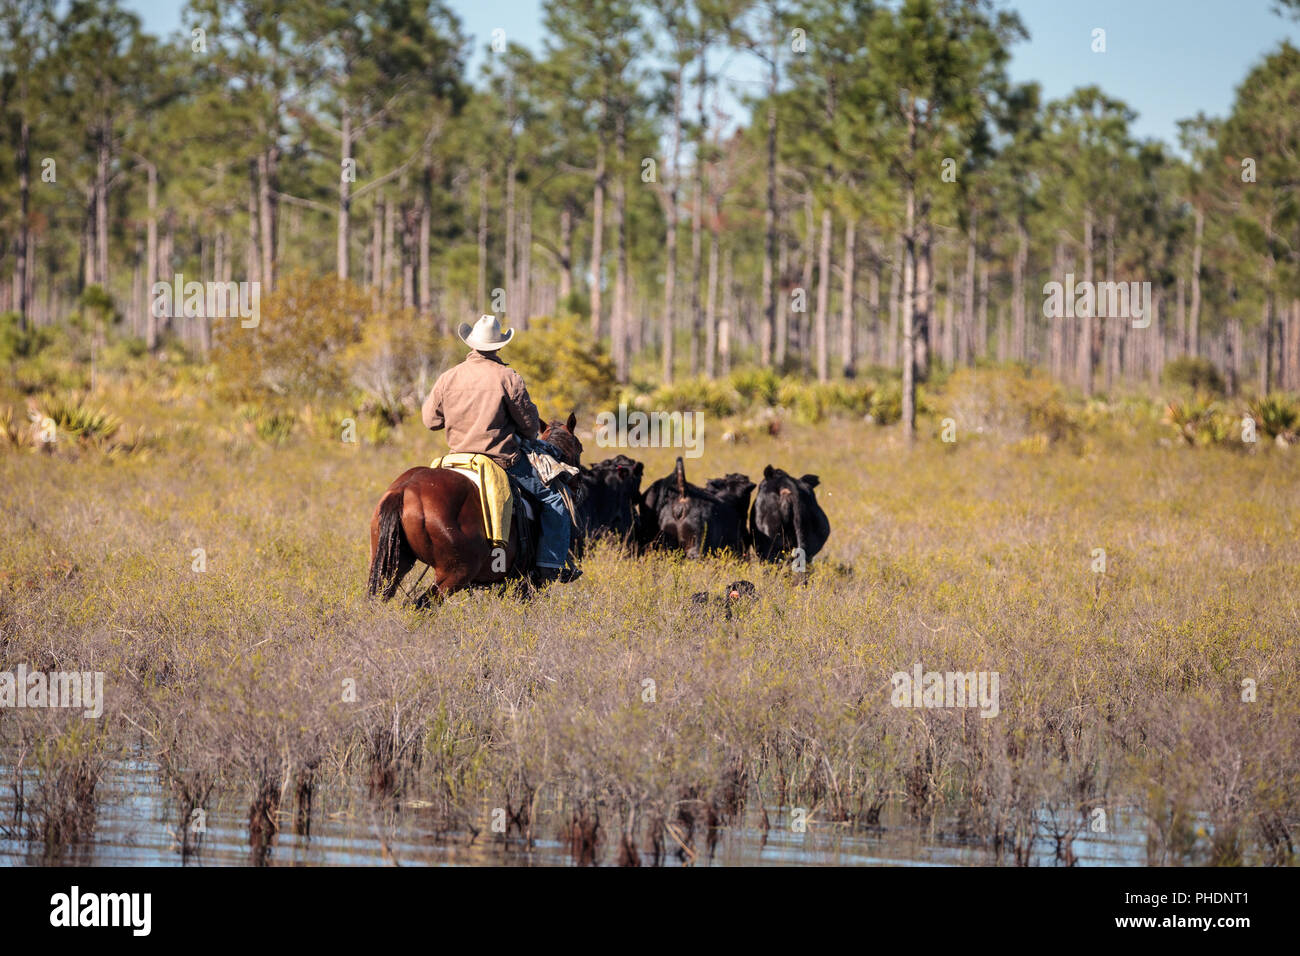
pixel 768 471
pixel 812 481
pixel 651 493
pixel 572 423
pixel 638 468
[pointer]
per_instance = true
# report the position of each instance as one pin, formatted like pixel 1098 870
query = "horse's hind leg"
pixel 429 598
pixel 405 562
pixel 451 580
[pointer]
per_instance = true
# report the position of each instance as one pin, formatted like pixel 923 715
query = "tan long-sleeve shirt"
pixel 483 404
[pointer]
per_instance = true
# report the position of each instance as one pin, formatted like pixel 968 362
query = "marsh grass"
pixel 1120 690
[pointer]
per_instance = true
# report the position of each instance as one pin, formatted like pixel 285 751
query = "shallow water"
pixel 137 825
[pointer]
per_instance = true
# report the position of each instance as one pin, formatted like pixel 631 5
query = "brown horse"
pixel 433 515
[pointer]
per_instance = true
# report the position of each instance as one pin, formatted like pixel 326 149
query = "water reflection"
pixel 138 823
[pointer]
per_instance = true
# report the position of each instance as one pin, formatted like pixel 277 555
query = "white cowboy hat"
pixel 484 335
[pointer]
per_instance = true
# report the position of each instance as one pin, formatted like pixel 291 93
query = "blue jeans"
pixel 553 549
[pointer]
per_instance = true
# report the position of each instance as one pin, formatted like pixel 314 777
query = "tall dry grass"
pixel 1120 690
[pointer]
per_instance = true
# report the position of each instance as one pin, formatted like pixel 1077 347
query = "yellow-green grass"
pixel 1120 689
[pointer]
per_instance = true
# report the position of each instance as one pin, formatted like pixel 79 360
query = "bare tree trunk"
pixel 345 193
pixel 823 297
pixel 138 297
pixel 21 273
pixel 1269 319
pixel 266 169
pixel 1157 351
pixel 1234 356
pixel 1114 324
pixel 619 320
pixel 482 239
pixel 101 205
pixel 949 334
pixel 1056 334
pixel 697 247
pixel 597 237
pixel 924 294
pixel 389 267
pixel 875 352
pixel 800 335
pixel 252 258
pixel 668 320
pixel 982 312
pixel 729 322
pixel 510 277
pixel 525 266
pixel 151 254
pixel 783 305
pixel 848 358
pixel 1019 350
pixel 165 248
pixel 406 253
pixel 86 255
pixel 895 300
pixel 710 309
pixel 966 349
pixel 1293 363
pixel 377 247
pixel 1084 357
pixel 769 215
pixel 1194 326
pixel 425 303
pixel 909 317
pixel 566 253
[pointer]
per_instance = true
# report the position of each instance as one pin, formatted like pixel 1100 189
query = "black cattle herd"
pixel 784 521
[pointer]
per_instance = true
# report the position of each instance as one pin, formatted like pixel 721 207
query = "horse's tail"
pixel 386 562
pixel 796 507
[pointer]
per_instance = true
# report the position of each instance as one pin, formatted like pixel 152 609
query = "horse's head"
pixel 560 434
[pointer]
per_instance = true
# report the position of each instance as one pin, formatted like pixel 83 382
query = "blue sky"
pixel 1168 59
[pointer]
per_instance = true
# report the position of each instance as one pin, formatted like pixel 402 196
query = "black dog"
pixel 785 516
pixel 677 514
pixel 739 594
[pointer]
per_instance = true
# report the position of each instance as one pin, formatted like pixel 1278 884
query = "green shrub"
pixel 272 425
pixel 1200 421
pixel 756 386
pixel 886 403
pixel 1008 404
pixel 1194 373
pixel 565 370
pixel 73 416
pixel 696 394
pixel 1277 416
pixel 18 343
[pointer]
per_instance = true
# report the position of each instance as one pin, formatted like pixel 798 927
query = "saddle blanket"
pixel 495 495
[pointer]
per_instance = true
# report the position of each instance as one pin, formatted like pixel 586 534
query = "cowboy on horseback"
pixel 484 406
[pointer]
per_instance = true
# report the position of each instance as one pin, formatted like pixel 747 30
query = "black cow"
pixel 735 490
pixel 677 514
pixel 612 491
pixel 786 516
